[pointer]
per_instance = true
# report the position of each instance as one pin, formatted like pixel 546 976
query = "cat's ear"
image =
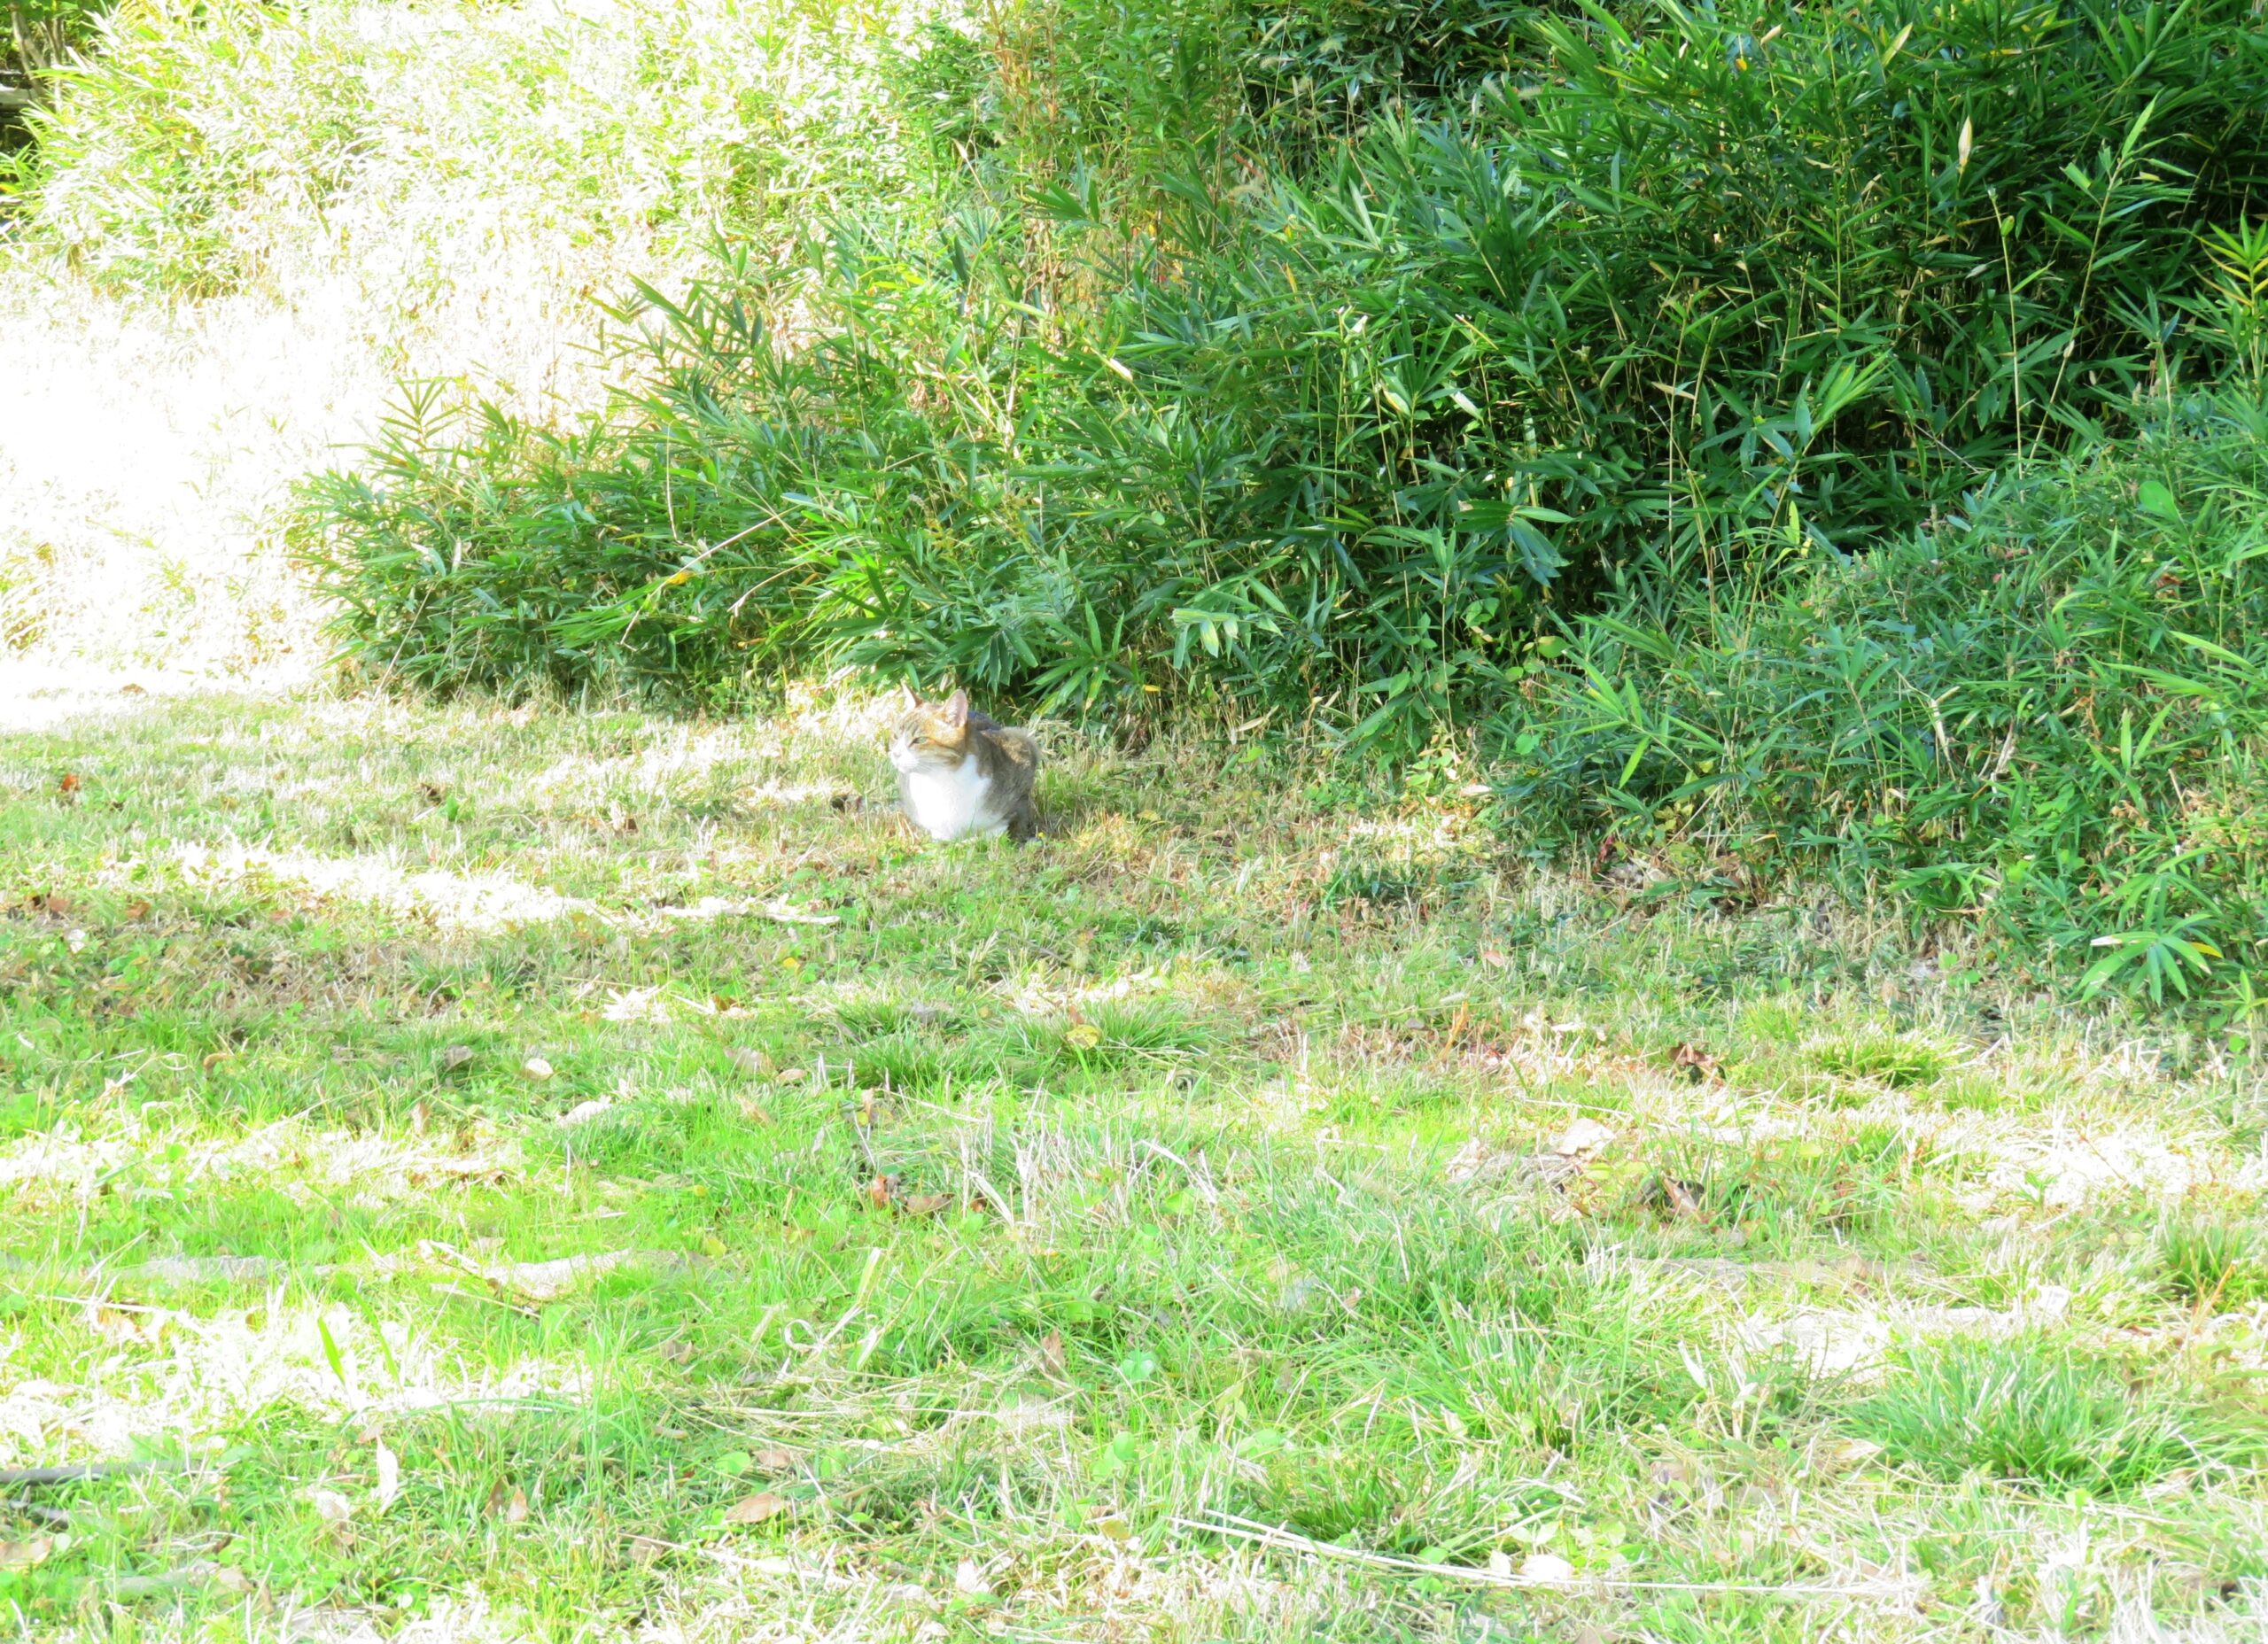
pixel 957 710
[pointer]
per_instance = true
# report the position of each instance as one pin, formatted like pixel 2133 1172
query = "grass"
pixel 985 1242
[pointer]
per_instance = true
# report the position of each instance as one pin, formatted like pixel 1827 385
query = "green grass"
pixel 1230 1174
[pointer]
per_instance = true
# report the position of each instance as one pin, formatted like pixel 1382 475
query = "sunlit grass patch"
pixel 2213 1261
pixel 1043 1206
pixel 2033 1411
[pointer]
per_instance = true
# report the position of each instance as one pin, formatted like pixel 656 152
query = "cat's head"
pixel 931 736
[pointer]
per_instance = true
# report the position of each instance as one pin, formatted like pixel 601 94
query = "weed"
pixel 2027 1410
pixel 2212 1262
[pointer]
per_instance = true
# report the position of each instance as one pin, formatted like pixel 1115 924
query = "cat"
pixel 961 774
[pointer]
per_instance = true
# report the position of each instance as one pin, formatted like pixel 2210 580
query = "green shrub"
pixel 163 161
pixel 1149 394
pixel 34 37
pixel 204 149
pixel 2049 713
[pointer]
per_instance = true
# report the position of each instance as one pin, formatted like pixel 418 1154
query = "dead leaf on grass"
pixel 68 788
pixel 1691 1058
pixel 334 1508
pixel 754 1509
pixel 1084 1036
pixel 137 908
pixel 879 1191
pixel 1581 1138
pixel 926 1204
pixel 24 1555
pixel 536 1068
pixel 389 1469
pixel 510 1505
pixel 776 1459
pixel 969 1580
pixel 1546 1568
pixel 1683 1199
pixel 455 1057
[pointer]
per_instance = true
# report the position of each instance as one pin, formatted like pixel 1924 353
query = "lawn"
pixel 521 1173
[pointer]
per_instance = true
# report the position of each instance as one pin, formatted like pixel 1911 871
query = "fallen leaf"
pixel 926 1204
pixel 1051 1353
pixel 389 1466
pixel 794 1075
pixel 1084 1036
pixel 69 786
pixel 536 1068
pixel 24 1555
pixel 1546 1567
pixel 583 1112
pixel 432 793
pixel 1495 958
pixel 879 1190
pixel 334 1508
pixel 137 909
pixel 754 1063
pixel 1147 816
pixel 1584 1135
pixel 754 1509
pixel 516 1510
pixel 774 1459
pixel 647 1550
pixel 968 1579
pixel 1693 1060
pixel 1683 1199
pixel 1115 1529
pixel 1854 1452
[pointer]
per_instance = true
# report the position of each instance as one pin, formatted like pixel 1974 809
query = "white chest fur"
pixel 946 804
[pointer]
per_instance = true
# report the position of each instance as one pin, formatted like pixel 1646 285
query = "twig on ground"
pixel 1271 1535
pixel 33 1510
pixel 81 1472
